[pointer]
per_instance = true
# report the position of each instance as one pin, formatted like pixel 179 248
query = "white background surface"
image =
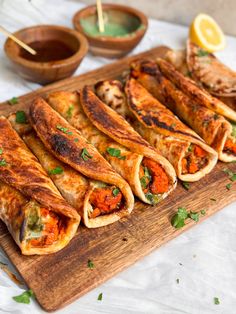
pixel 207 252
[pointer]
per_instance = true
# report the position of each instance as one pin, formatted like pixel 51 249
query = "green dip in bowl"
pixel 124 28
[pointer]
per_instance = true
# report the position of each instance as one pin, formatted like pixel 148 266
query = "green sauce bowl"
pixel 124 28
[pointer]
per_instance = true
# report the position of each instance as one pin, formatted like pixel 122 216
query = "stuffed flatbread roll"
pixel 192 162
pixel 73 186
pixel 111 198
pixel 112 93
pixel 144 175
pixel 190 88
pixel 41 221
pixel 79 191
pixel 178 59
pixel 212 127
pixel 205 69
pixel 213 75
pixel 35 229
pixel 189 155
pixel 20 169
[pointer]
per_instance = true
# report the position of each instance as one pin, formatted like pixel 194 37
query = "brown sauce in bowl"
pixel 48 51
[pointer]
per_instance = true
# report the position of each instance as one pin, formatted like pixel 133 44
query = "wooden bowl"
pixel 55 63
pixel 132 20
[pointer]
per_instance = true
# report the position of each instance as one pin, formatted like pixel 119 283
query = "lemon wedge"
pixel 206 33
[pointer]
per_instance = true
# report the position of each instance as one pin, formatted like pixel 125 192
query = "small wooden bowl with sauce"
pixel 124 28
pixel 60 50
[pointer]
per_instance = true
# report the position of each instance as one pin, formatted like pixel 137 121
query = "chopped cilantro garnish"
pixel 61 128
pixel 203 212
pixel 202 53
pixel 85 154
pixel 56 170
pixel 64 130
pixel 13 101
pixel 190 148
pixel 116 191
pixel 153 198
pixel 1 151
pixel 90 264
pixel 233 178
pixel 114 152
pixel 69 111
pixel 178 220
pixel 216 301
pixel 21 117
pixel 233 130
pixel 143 182
pixel 146 178
pixel 76 140
pixel 146 173
pixel 100 297
pixel 24 297
pixel 3 162
pixel 231 174
pixel 227 171
pixel 228 186
pixel 194 216
pixel 186 185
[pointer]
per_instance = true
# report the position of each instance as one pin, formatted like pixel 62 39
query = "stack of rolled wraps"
pixel 150 176
pixel 38 218
pixel 190 103
pixel 189 154
pixel 83 177
pixel 69 178
pixel 43 213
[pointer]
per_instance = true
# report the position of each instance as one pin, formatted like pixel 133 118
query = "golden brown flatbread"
pixel 112 198
pixel 39 219
pixel 213 75
pixel 160 179
pixel 171 138
pixel 211 126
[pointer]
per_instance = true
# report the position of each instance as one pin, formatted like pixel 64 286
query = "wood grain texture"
pixel 60 278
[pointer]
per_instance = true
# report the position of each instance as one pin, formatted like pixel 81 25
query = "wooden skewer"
pixel 100 17
pixel 18 41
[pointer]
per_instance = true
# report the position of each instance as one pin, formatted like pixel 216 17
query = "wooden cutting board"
pixel 60 278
